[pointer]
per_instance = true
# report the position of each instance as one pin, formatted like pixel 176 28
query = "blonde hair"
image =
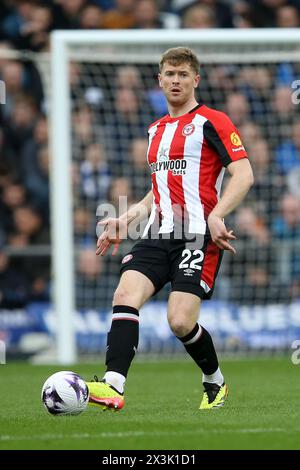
pixel 180 55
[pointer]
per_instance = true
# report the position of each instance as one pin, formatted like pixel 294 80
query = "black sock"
pixel 122 340
pixel 201 348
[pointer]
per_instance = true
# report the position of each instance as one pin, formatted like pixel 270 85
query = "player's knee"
pixel 123 296
pixel 179 325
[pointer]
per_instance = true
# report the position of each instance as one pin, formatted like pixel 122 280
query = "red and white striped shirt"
pixel 187 156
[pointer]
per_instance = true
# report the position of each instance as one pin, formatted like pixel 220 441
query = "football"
pixel 65 393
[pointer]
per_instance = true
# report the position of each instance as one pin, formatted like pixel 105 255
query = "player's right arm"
pixel 116 229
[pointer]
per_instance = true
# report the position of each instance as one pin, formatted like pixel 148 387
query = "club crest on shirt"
pixel 127 258
pixel 188 129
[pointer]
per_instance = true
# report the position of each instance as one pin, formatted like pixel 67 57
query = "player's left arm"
pixel 222 135
pixel 238 186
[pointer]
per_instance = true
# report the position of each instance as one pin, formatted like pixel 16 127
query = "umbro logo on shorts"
pixel 188 272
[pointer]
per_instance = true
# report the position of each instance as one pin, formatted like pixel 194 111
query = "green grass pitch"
pixel 161 410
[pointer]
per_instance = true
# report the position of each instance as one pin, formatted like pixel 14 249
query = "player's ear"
pixel 159 79
pixel 197 81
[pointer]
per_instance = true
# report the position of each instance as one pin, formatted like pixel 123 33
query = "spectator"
pixel 246 16
pixel 254 83
pixel 262 13
pixel 75 181
pixel 71 9
pixel 29 228
pixel 93 283
pixel 14 23
pixel 105 5
pixel 130 120
pixel 120 188
pixel 281 115
pixel 7 160
pixel 37 183
pixel 89 264
pixel 35 165
pixel 94 174
pixel 85 131
pixel 35 31
pixel 199 17
pixel 250 132
pixel 221 11
pixel 250 226
pixel 288 153
pixel 217 83
pixel 20 78
pixel 251 270
pixel 139 171
pixel 128 76
pixel 91 17
pixel 293 181
pixel 237 108
pixel 287 72
pixel 121 17
pixel 6 49
pixel 14 285
pixel 83 128
pixel 84 226
pixel 88 94
pixel 287 16
pixel 286 228
pixel 4 13
pixel 287 225
pixel 268 185
pixel 13 196
pixel 147 15
pixel 246 21
pixel 20 126
pixel 150 14
pixel 12 73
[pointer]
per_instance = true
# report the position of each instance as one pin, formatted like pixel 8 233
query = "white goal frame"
pixel 60 136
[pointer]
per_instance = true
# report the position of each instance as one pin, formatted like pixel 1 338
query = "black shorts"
pixel 189 266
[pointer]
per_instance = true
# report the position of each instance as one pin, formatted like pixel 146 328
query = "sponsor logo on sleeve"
pixel 236 141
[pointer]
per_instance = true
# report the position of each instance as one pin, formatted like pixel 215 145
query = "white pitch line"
pixel 144 433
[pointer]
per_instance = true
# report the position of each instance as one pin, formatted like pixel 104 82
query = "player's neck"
pixel 176 111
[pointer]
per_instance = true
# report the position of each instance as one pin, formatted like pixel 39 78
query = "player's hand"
pixel 114 231
pixel 219 233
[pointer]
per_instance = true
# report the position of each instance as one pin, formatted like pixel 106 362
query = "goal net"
pixel 104 95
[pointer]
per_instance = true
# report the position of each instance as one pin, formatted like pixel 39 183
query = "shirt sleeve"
pixel 223 136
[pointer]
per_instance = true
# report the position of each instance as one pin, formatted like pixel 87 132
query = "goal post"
pixel 251 46
pixel 62 205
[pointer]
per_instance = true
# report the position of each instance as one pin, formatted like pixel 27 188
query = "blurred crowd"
pixel 27 23
pixel 112 106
